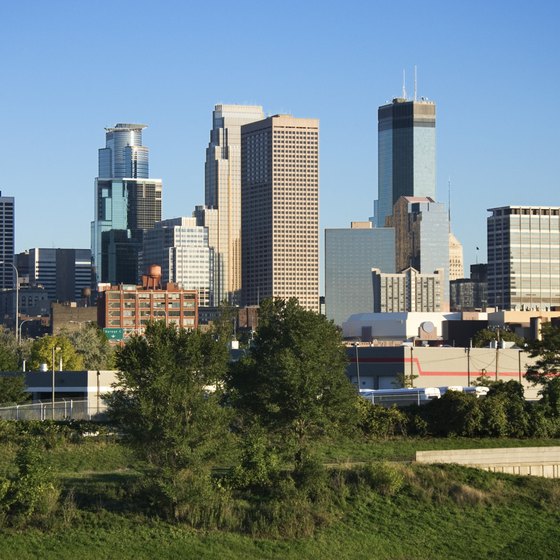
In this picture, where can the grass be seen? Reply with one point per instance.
(446, 512)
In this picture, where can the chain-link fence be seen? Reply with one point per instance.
(64, 409)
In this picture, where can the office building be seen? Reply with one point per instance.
(64, 273)
(407, 291)
(125, 310)
(456, 268)
(406, 153)
(280, 210)
(8, 276)
(127, 203)
(181, 248)
(422, 238)
(350, 254)
(524, 258)
(223, 192)
(470, 294)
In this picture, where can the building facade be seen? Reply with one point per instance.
(408, 291)
(8, 277)
(406, 153)
(181, 248)
(422, 238)
(456, 267)
(127, 201)
(524, 258)
(223, 193)
(350, 254)
(280, 210)
(470, 294)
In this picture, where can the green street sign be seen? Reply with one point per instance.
(114, 334)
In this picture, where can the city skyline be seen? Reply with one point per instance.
(478, 62)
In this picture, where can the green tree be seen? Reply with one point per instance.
(42, 353)
(91, 343)
(163, 400)
(293, 381)
(485, 336)
(13, 389)
(8, 351)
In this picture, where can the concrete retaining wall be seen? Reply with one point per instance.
(535, 461)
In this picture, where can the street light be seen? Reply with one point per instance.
(27, 321)
(357, 366)
(54, 349)
(17, 295)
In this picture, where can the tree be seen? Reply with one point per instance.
(91, 343)
(13, 389)
(8, 351)
(293, 381)
(163, 401)
(547, 352)
(42, 353)
(485, 336)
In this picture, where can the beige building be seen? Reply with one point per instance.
(407, 291)
(456, 268)
(223, 195)
(280, 210)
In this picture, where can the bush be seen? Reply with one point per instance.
(455, 413)
(379, 422)
(384, 478)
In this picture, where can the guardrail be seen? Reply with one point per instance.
(64, 409)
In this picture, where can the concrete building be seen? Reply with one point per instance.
(64, 273)
(407, 291)
(381, 367)
(350, 254)
(182, 250)
(8, 277)
(223, 193)
(280, 210)
(456, 267)
(126, 201)
(70, 317)
(406, 153)
(470, 294)
(524, 258)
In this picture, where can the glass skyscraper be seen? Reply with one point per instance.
(127, 203)
(406, 153)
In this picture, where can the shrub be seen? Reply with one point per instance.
(379, 422)
(384, 478)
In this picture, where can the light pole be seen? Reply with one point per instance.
(26, 321)
(54, 349)
(357, 366)
(17, 295)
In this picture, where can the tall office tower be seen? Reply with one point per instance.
(181, 248)
(350, 254)
(280, 210)
(223, 191)
(524, 258)
(422, 238)
(127, 203)
(64, 273)
(7, 242)
(406, 153)
(124, 155)
(456, 268)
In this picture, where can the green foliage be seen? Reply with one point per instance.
(8, 351)
(91, 343)
(547, 352)
(485, 336)
(455, 413)
(162, 402)
(42, 353)
(293, 379)
(379, 422)
(385, 478)
(13, 389)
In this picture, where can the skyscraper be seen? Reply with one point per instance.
(181, 248)
(127, 203)
(7, 242)
(280, 210)
(524, 258)
(223, 192)
(406, 153)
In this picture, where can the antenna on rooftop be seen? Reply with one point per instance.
(449, 202)
(404, 83)
(415, 83)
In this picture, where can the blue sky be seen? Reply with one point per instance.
(71, 68)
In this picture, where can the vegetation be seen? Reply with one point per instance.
(91, 343)
(484, 337)
(13, 389)
(42, 353)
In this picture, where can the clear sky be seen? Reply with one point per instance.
(71, 68)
